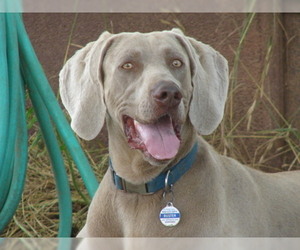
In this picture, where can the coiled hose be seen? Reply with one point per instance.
(20, 70)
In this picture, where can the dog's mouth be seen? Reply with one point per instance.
(159, 140)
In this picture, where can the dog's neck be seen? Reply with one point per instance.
(131, 165)
(165, 180)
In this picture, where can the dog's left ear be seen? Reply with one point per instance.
(210, 85)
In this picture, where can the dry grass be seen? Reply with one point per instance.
(282, 142)
(37, 215)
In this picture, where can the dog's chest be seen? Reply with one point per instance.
(140, 217)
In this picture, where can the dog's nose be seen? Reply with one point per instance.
(166, 94)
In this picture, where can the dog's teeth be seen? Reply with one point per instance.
(135, 123)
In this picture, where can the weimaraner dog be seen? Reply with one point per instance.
(158, 93)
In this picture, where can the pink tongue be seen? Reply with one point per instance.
(159, 138)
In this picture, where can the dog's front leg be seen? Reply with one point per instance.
(102, 219)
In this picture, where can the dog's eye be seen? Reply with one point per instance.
(177, 63)
(127, 66)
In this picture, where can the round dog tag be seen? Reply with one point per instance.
(169, 215)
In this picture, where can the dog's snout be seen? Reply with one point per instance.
(166, 94)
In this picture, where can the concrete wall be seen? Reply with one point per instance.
(268, 68)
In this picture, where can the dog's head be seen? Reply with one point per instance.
(149, 85)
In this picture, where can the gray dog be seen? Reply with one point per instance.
(158, 92)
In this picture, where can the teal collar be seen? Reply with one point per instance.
(167, 178)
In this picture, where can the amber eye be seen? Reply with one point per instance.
(127, 66)
(177, 63)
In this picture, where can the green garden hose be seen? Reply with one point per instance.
(20, 69)
(15, 157)
(5, 175)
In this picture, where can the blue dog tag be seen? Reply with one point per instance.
(169, 215)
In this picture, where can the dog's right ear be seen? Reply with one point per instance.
(81, 88)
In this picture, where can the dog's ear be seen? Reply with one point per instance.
(81, 88)
(210, 85)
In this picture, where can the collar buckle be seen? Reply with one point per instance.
(127, 186)
(131, 188)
